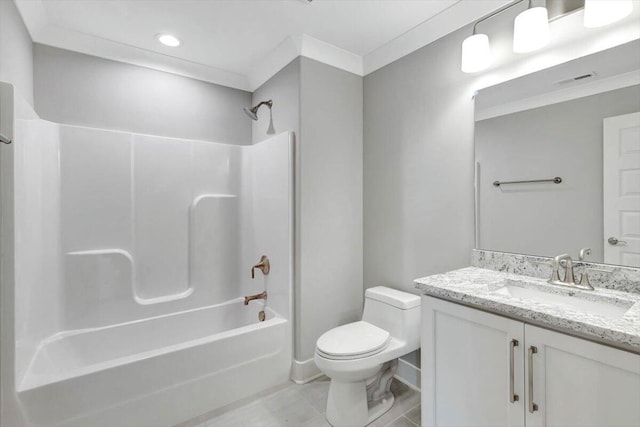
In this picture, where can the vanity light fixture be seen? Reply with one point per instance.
(598, 13)
(531, 32)
(168, 40)
(531, 29)
(476, 53)
(476, 49)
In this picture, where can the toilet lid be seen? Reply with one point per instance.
(354, 339)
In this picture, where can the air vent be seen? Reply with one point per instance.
(577, 78)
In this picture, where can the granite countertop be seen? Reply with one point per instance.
(613, 319)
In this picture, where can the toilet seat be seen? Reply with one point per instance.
(353, 341)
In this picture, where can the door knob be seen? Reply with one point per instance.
(613, 241)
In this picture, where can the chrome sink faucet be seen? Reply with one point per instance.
(583, 253)
(568, 272)
(566, 262)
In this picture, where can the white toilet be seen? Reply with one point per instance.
(361, 357)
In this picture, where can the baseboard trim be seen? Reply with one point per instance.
(304, 371)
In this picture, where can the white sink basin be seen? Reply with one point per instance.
(574, 300)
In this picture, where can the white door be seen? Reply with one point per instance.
(578, 383)
(621, 166)
(469, 361)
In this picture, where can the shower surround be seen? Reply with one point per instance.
(132, 255)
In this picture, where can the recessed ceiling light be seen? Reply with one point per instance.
(168, 40)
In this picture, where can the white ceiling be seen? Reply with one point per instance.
(236, 34)
(226, 41)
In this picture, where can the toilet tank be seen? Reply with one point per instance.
(394, 311)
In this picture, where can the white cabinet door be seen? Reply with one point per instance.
(580, 383)
(466, 367)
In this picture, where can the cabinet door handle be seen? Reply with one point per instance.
(532, 406)
(512, 396)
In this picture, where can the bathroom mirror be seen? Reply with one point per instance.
(573, 132)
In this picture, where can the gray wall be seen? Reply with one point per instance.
(16, 51)
(418, 166)
(78, 89)
(561, 139)
(330, 252)
(323, 106)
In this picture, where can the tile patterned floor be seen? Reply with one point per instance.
(304, 406)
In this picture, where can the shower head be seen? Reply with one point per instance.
(253, 111)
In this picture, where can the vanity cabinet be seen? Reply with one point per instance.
(478, 369)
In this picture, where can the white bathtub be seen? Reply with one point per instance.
(156, 371)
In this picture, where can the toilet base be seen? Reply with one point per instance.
(380, 408)
(358, 403)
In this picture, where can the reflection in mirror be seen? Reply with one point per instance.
(579, 121)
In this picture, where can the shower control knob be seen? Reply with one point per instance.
(613, 241)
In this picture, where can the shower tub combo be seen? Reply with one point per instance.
(157, 371)
(132, 257)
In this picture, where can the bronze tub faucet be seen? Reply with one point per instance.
(263, 266)
(262, 295)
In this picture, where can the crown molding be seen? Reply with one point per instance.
(309, 47)
(34, 16)
(331, 55)
(288, 50)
